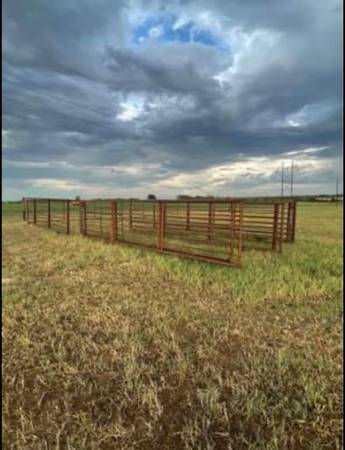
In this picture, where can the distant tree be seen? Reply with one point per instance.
(77, 197)
(184, 197)
(151, 197)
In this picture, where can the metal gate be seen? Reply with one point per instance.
(209, 230)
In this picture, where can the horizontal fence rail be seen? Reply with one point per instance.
(263, 226)
(210, 230)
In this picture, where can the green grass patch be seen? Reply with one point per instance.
(109, 347)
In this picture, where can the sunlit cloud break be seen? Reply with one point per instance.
(170, 98)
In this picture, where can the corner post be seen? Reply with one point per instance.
(275, 226)
(161, 225)
(154, 214)
(239, 232)
(82, 217)
(281, 229)
(294, 210)
(130, 215)
(188, 216)
(24, 207)
(49, 214)
(68, 217)
(113, 237)
(209, 230)
(35, 212)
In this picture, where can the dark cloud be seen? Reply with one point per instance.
(77, 91)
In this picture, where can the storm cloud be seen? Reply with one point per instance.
(175, 97)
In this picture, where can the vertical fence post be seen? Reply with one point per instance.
(287, 236)
(49, 214)
(35, 213)
(82, 217)
(188, 216)
(209, 230)
(161, 225)
(239, 233)
(113, 236)
(100, 220)
(154, 214)
(67, 217)
(275, 226)
(232, 230)
(130, 215)
(122, 220)
(294, 210)
(281, 229)
(24, 206)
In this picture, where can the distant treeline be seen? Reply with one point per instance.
(299, 198)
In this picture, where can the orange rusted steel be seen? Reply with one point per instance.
(67, 216)
(161, 225)
(27, 210)
(154, 214)
(275, 227)
(49, 214)
(239, 234)
(232, 217)
(23, 209)
(113, 221)
(35, 213)
(294, 211)
(211, 230)
(281, 226)
(130, 214)
(82, 217)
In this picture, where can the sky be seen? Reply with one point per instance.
(115, 98)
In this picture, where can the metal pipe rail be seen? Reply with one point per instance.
(208, 230)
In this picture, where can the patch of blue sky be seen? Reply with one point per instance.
(160, 28)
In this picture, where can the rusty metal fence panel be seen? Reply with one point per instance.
(290, 221)
(210, 230)
(50, 213)
(138, 222)
(264, 225)
(60, 218)
(29, 210)
(169, 227)
(96, 219)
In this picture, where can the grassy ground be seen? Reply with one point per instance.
(12, 211)
(107, 347)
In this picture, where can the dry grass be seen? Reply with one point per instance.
(111, 348)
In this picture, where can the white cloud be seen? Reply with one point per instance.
(253, 51)
(37, 164)
(212, 179)
(134, 170)
(129, 112)
(70, 186)
(305, 151)
(155, 32)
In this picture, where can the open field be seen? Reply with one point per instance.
(108, 347)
